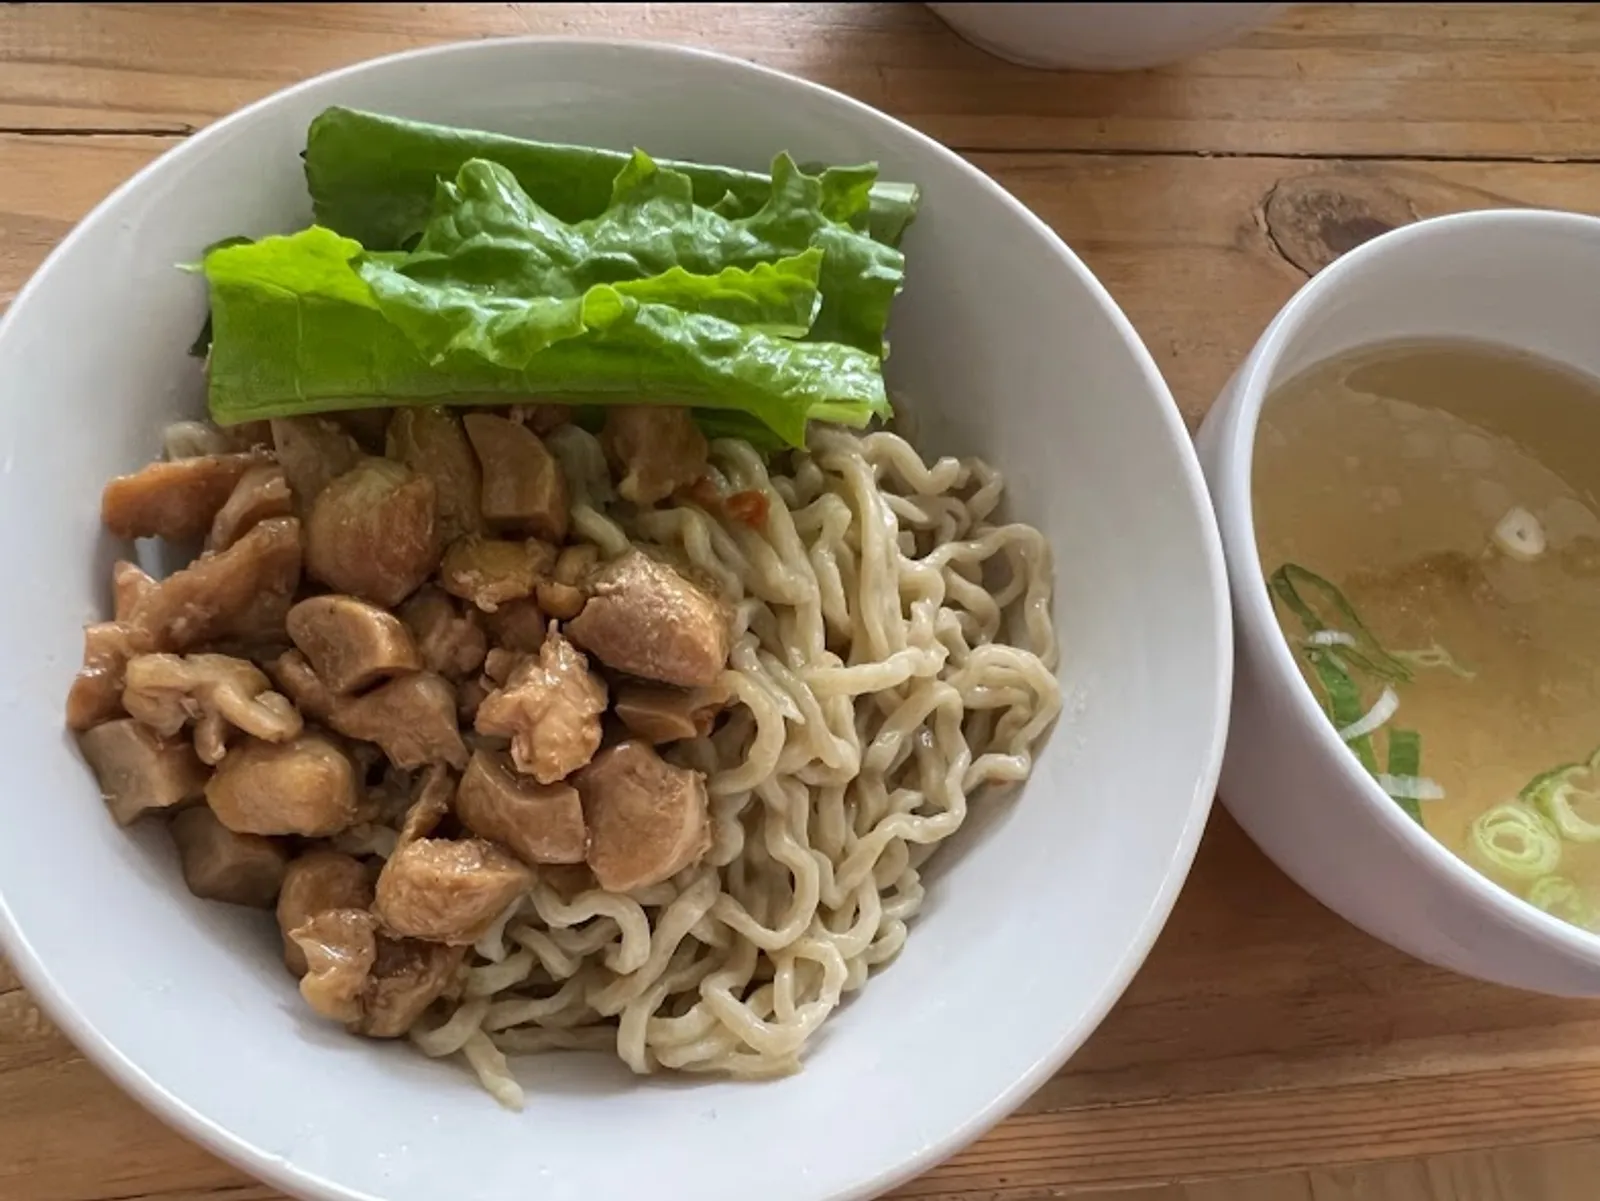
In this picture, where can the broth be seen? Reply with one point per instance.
(1417, 482)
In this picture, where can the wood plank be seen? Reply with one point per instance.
(1467, 80)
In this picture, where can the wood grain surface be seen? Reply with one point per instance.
(1267, 1048)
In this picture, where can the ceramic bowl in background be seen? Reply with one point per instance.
(1522, 280)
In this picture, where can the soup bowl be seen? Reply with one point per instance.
(1035, 919)
(1520, 280)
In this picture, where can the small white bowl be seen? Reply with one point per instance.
(1035, 921)
(1524, 280)
(1102, 37)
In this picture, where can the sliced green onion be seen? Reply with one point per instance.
(1405, 762)
(1331, 638)
(1343, 702)
(1560, 897)
(1434, 655)
(1558, 793)
(1516, 840)
(1382, 710)
(1520, 535)
(1292, 584)
(1410, 787)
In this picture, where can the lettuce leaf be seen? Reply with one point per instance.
(372, 178)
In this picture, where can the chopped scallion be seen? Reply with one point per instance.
(1515, 840)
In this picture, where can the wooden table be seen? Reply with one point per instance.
(1264, 1035)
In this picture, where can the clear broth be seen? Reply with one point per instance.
(1386, 473)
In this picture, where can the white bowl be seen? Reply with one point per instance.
(1521, 279)
(1035, 921)
(1102, 37)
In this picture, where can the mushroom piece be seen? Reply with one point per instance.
(550, 708)
(96, 692)
(524, 489)
(448, 891)
(339, 947)
(469, 696)
(412, 717)
(489, 571)
(315, 883)
(648, 819)
(138, 770)
(242, 592)
(563, 597)
(294, 677)
(647, 620)
(407, 976)
(540, 823)
(313, 452)
(450, 642)
(350, 644)
(261, 492)
(429, 808)
(656, 449)
(306, 786)
(430, 442)
(372, 532)
(660, 713)
(177, 499)
(517, 626)
(130, 584)
(219, 865)
(216, 692)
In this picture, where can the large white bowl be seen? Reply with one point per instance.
(1036, 919)
(1519, 279)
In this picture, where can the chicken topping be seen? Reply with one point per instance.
(138, 770)
(489, 572)
(412, 717)
(350, 644)
(307, 786)
(524, 489)
(660, 713)
(261, 492)
(339, 947)
(176, 500)
(449, 892)
(648, 819)
(499, 663)
(315, 883)
(313, 452)
(541, 823)
(449, 642)
(518, 626)
(430, 442)
(130, 584)
(216, 692)
(96, 693)
(647, 620)
(656, 449)
(372, 532)
(563, 597)
(550, 708)
(219, 865)
(407, 977)
(242, 592)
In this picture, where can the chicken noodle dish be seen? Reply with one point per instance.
(569, 653)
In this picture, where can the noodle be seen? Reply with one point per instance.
(879, 684)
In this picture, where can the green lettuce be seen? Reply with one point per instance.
(372, 178)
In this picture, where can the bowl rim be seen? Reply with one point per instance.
(278, 1172)
(1254, 613)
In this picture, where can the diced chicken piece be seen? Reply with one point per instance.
(541, 823)
(294, 677)
(648, 819)
(130, 584)
(563, 597)
(524, 489)
(339, 947)
(372, 532)
(647, 620)
(407, 976)
(242, 592)
(350, 644)
(448, 891)
(550, 708)
(369, 427)
(490, 572)
(499, 663)
(660, 713)
(216, 692)
(517, 626)
(450, 642)
(192, 439)
(307, 786)
(139, 771)
(219, 865)
(412, 717)
(430, 441)
(176, 500)
(261, 492)
(654, 449)
(313, 452)
(432, 803)
(315, 883)
(96, 693)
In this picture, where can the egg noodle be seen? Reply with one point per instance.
(893, 654)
